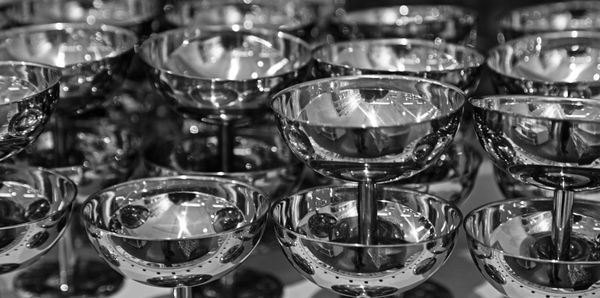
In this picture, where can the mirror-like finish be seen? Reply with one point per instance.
(549, 17)
(453, 24)
(218, 73)
(261, 159)
(551, 142)
(90, 57)
(35, 209)
(379, 128)
(508, 241)
(451, 64)
(293, 17)
(28, 96)
(135, 15)
(179, 231)
(553, 64)
(452, 177)
(317, 230)
(512, 188)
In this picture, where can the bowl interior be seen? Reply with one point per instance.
(398, 55)
(367, 102)
(565, 57)
(65, 45)
(222, 53)
(330, 215)
(150, 208)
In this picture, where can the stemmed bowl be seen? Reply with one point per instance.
(318, 230)
(176, 232)
(508, 241)
(549, 142)
(368, 129)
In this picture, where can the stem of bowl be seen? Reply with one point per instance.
(182, 292)
(66, 264)
(59, 139)
(561, 226)
(367, 211)
(226, 145)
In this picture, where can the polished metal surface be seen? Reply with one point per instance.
(512, 188)
(379, 128)
(453, 24)
(449, 63)
(176, 231)
(451, 177)
(35, 209)
(28, 95)
(217, 73)
(550, 142)
(549, 17)
(294, 17)
(317, 230)
(135, 15)
(509, 243)
(261, 159)
(553, 64)
(91, 57)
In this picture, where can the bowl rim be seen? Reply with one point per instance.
(526, 99)
(449, 233)
(56, 72)
(480, 59)
(570, 34)
(218, 29)
(129, 46)
(373, 78)
(261, 210)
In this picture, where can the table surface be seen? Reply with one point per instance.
(459, 274)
